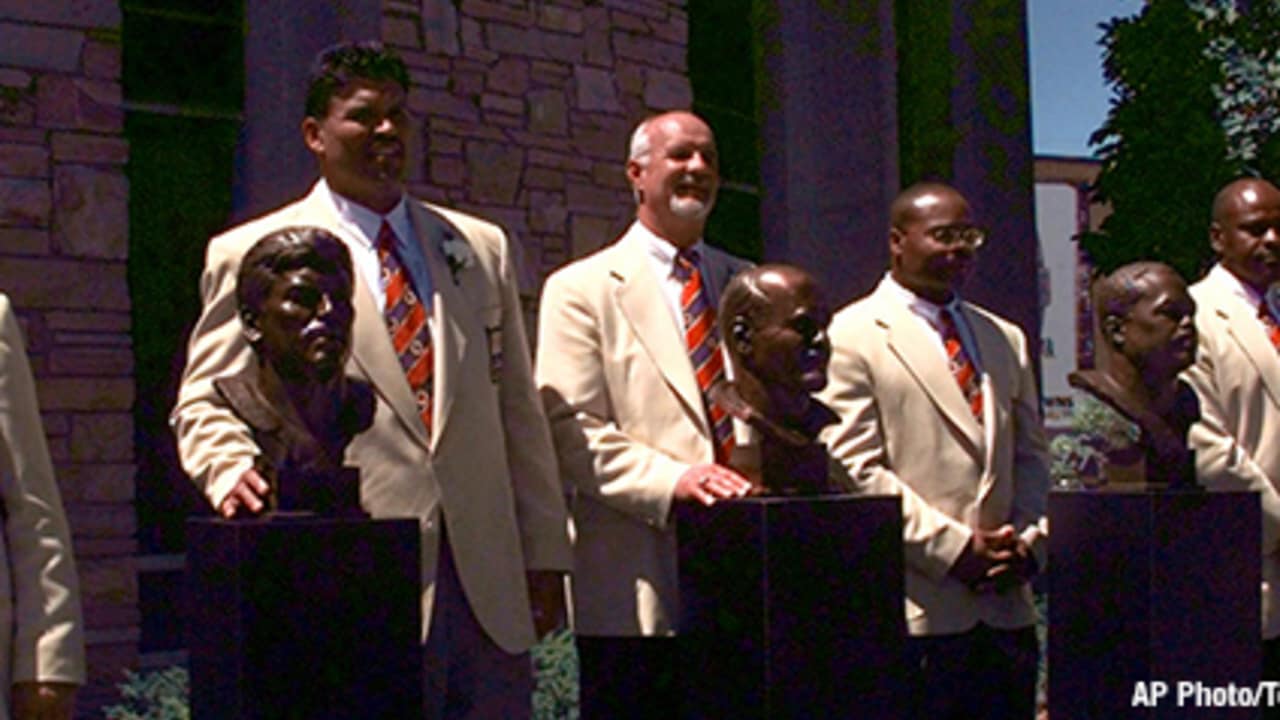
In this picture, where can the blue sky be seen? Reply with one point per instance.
(1068, 97)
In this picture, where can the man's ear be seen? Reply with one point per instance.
(1113, 330)
(311, 135)
(634, 171)
(740, 335)
(896, 237)
(1215, 237)
(249, 326)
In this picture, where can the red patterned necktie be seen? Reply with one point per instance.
(407, 323)
(1269, 323)
(962, 368)
(703, 342)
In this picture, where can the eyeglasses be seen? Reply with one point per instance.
(971, 236)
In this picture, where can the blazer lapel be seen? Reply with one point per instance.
(449, 339)
(641, 303)
(909, 342)
(1247, 332)
(996, 382)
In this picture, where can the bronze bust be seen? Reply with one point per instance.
(1146, 337)
(774, 319)
(294, 292)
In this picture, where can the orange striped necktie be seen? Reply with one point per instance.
(703, 342)
(1269, 323)
(406, 323)
(960, 365)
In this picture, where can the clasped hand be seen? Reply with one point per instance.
(997, 559)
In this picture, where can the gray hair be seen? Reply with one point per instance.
(641, 143)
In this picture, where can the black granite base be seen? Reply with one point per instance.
(792, 608)
(304, 618)
(1149, 587)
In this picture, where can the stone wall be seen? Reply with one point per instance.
(63, 244)
(527, 108)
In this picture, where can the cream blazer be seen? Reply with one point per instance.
(489, 469)
(906, 430)
(41, 627)
(628, 420)
(1237, 441)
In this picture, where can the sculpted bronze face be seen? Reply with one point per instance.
(784, 343)
(774, 322)
(1157, 333)
(298, 313)
(294, 291)
(1147, 337)
(305, 323)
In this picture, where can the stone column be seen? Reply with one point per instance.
(272, 164)
(829, 138)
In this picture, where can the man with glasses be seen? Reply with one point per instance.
(938, 404)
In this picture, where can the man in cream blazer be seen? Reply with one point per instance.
(630, 422)
(972, 473)
(41, 628)
(482, 482)
(1237, 373)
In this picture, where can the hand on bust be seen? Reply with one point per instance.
(43, 700)
(247, 494)
(708, 483)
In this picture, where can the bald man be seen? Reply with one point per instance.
(938, 403)
(1237, 371)
(625, 336)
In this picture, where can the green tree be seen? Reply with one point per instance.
(1163, 147)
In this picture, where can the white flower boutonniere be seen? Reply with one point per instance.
(458, 254)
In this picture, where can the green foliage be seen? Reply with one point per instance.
(165, 694)
(555, 670)
(1163, 150)
(156, 695)
(1247, 47)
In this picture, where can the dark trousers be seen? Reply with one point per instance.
(1270, 671)
(465, 675)
(628, 677)
(983, 673)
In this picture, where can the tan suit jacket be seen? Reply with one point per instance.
(1237, 441)
(905, 429)
(489, 467)
(628, 420)
(41, 628)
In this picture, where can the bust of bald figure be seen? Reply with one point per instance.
(294, 296)
(1146, 337)
(774, 319)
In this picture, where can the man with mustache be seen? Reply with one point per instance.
(458, 438)
(627, 351)
(938, 403)
(1237, 373)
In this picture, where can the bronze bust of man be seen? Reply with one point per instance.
(1143, 411)
(774, 319)
(294, 296)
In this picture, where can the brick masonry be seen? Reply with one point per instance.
(63, 244)
(525, 110)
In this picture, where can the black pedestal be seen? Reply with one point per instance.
(1147, 588)
(304, 618)
(792, 608)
